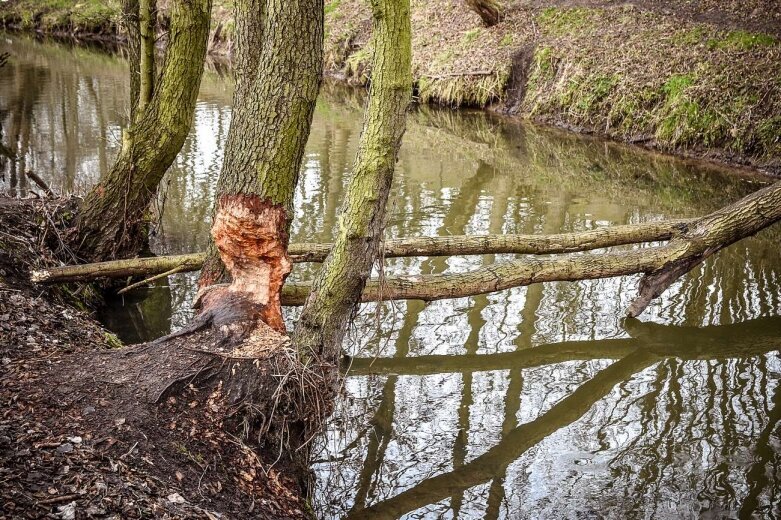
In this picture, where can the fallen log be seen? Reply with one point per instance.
(118, 268)
(692, 241)
(662, 265)
(405, 247)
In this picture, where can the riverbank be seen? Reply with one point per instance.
(69, 450)
(693, 79)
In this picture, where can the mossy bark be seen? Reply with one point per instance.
(401, 247)
(338, 286)
(147, 16)
(129, 22)
(112, 217)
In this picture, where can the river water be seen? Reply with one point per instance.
(537, 402)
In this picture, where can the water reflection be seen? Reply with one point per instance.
(536, 402)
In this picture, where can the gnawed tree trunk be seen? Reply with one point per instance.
(490, 11)
(238, 370)
(337, 288)
(112, 217)
(273, 107)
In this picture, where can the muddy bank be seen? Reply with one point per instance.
(694, 80)
(70, 450)
(698, 79)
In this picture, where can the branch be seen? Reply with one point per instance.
(662, 264)
(500, 276)
(406, 247)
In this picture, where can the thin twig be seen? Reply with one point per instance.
(130, 287)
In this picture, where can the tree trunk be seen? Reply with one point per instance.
(693, 242)
(490, 11)
(272, 112)
(112, 217)
(147, 18)
(663, 265)
(129, 23)
(337, 288)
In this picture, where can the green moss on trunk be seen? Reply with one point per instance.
(337, 288)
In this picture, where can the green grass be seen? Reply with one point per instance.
(52, 15)
(687, 37)
(742, 40)
(471, 35)
(676, 84)
(561, 21)
(112, 340)
(332, 7)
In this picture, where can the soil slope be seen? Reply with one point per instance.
(694, 78)
(72, 451)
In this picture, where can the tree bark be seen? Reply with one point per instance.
(272, 113)
(129, 23)
(712, 233)
(112, 217)
(147, 18)
(337, 288)
(402, 247)
(490, 11)
(693, 242)
(662, 265)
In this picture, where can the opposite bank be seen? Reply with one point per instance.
(702, 81)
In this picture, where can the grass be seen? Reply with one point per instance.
(471, 35)
(60, 15)
(331, 8)
(656, 79)
(560, 21)
(742, 40)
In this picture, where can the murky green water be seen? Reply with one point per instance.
(536, 402)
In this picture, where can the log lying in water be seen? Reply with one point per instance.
(405, 247)
(662, 265)
(691, 243)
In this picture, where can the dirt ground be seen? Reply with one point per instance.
(72, 451)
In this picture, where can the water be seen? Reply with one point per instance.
(537, 402)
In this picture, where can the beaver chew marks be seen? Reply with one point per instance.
(251, 235)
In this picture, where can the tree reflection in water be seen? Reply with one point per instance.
(663, 439)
